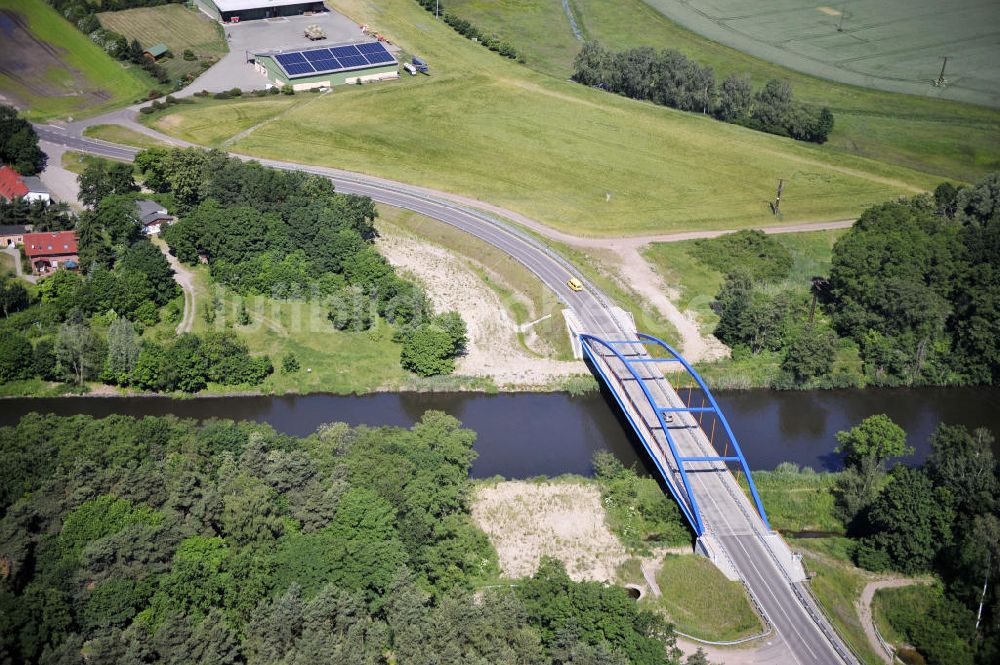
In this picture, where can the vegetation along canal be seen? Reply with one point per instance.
(554, 433)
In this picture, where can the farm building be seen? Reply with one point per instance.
(315, 67)
(156, 51)
(233, 11)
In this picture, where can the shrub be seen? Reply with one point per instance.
(189, 54)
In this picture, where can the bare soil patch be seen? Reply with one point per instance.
(494, 349)
(526, 521)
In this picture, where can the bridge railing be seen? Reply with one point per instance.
(689, 507)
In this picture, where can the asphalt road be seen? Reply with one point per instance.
(801, 638)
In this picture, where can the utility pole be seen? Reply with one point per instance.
(776, 206)
(437, 8)
(840, 23)
(982, 597)
(941, 80)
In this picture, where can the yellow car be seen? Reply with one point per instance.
(575, 284)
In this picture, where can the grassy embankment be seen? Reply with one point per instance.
(124, 136)
(78, 79)
(887, 603)
(698, 283)
(697, 598)
(572, 157)
(946, 138)
(176, 26)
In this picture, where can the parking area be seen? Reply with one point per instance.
(233, 71)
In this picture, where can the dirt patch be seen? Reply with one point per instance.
(564, 520)
(494, 349)
(37, 68)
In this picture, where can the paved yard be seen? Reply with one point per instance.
(233, 70)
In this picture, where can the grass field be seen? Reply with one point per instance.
(722, 612)
(124, 136)
(945, 138)
(176, 26)
(50, 69)
(572, 157)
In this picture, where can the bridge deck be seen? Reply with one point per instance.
(734, 535)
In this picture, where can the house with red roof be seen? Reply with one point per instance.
(50, 251)
(13, 186)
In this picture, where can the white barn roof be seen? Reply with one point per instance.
(240, 5)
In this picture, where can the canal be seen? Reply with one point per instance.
(529, 434)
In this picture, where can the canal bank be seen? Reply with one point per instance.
(522, 435)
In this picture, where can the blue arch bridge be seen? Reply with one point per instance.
(696, 453)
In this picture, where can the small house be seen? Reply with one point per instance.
(15, 186)
(152, 216)
(156, 52)
(12, 235)
(50, 251)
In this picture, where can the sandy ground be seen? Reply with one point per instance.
(493, 349)
(565, 520)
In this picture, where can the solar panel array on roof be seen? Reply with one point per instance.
(334, 59)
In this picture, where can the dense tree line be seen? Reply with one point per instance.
(941, 518)
(669, 78)
(916, 284)
(19, 143)
(914, 287)
(470, 31)
(761, 312)
(131, 540)
(288, 234)
(39, 214)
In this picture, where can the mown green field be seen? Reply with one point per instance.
(174, 25)
(77, 79)
(950, 139)
(575, 158)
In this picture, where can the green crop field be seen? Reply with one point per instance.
(50, 69)
(946, 138)
(176, 26)
(573, 157)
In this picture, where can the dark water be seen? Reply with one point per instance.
(524, 435)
